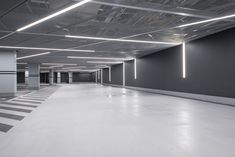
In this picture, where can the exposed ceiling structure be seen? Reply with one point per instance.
(132, 21)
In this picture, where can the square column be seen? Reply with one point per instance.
(8, 81)
(58, 77)
(70, 77)
(51, 76)
(34, 76)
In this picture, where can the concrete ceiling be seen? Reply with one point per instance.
(152, 20)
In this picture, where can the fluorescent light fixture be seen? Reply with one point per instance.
(53, 15)
(58, 64)
(101, 58)
(124, 74)
(110, 70)
(100, 62)
(46, 49)
(74, 67)
(206, 21)
(31, 56)
(122, 40)
(135, 68)
(184, 59)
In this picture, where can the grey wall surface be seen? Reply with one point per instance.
(210, 67)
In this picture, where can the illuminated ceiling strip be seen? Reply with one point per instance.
(97, 62)
(58, 64)
(102, 58)
(206, 21)
(46, 49)
(30, 56)
(122, 40)
(53, 15)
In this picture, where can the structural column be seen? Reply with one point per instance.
(8, 80)
(34, 76)
(51, 76)
(70, 77)
(58, 77)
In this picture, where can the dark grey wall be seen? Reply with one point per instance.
(210, 67)
(44, 77)
(106, 75)
(20, 77)
(64, 76)
(117, 74)
(83, 77)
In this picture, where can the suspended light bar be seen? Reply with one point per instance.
(53, 15)
(99, 62)
(101, 58)
(46, 49)
(184, 60)
(58, 64)
(135, 68)
(30, 56)
(206, 21)
(122, 40)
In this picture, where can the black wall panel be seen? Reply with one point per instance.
(20, 77)
(55, 77)
(82, 77)
(44, 77)
(64, 77)
(210, 67)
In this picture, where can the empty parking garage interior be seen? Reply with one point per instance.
(117, 78)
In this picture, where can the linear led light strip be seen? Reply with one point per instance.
(58, 64)
(96, 62)
(101, 58)
(46, 49)
(122, 40)
(206, 21)
(184, 60)
(30, 56)
(135, 68)
(53, 15)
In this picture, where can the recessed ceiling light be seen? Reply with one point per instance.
(53, 15)
(123, 40)
(46, 49)
(30, 56)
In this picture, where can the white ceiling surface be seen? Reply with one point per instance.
(152, 20)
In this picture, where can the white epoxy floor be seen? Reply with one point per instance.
(95, 121)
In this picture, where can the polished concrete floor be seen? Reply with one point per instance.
(97, 121)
